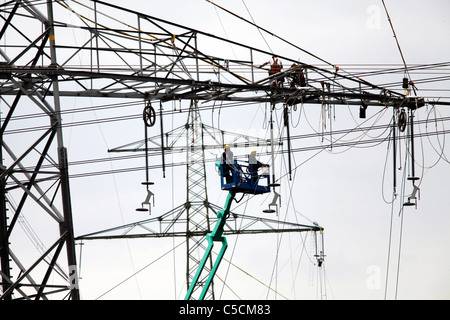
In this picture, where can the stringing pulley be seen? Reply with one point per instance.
(402, 120)
(149, 115)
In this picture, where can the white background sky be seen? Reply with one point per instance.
(341, 189)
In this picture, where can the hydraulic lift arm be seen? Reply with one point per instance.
(215, 236)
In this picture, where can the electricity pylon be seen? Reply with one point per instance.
(124, 54)
(193, 218)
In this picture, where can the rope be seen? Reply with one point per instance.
(140, 270)
(232, 254)
(259, 30)
(398, 44)
(272, 34)
(254, 278)
(389, 249)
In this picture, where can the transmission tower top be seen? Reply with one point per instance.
(129, 54)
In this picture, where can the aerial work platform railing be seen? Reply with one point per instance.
(242, 176)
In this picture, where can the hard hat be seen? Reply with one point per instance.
(253, 151)
(226, 146)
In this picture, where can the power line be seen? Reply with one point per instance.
(395, 36)
(322, 147)
(271, 33)
(331, 144)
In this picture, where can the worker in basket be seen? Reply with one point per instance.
(227, 160)
(253, 167)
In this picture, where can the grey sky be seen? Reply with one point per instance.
(345, 190)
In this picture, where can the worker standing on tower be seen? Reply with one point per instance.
(297, 76)
(275, 67)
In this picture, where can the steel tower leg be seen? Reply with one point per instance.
(216, 235)
(4, 241)
(21, 171)
(66, 226)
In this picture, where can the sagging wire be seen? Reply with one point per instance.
(377, 117)
(272, 34)
(259, 30)
(294, 108)
(318, 255)
(391, 235)
(408, 159)
(234, 248)
(441, 153)
(392, 140)
(140, 270)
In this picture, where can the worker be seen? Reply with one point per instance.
(227, 160)
(275, 67)
(297, 77)
(253, 166)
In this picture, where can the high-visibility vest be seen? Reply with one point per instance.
(275, 67)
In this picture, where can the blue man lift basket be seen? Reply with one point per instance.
(237, 176)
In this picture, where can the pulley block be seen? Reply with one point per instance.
(402, 120)
(149, 115)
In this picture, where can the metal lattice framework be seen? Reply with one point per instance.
(144, 57)
(193, 219)
(129, 55)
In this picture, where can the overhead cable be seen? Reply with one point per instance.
(398, 44)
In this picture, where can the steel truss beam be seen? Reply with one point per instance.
(161, 60)
(173, 224)
(163, 226)
(188, 89)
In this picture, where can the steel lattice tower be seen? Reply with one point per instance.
(154, 60)
(196, 178)
(193, 219)
(197, 203)
(21, 169)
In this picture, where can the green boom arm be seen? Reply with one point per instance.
(215, 235)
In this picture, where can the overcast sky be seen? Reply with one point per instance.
(346, 190)
(342, 189)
